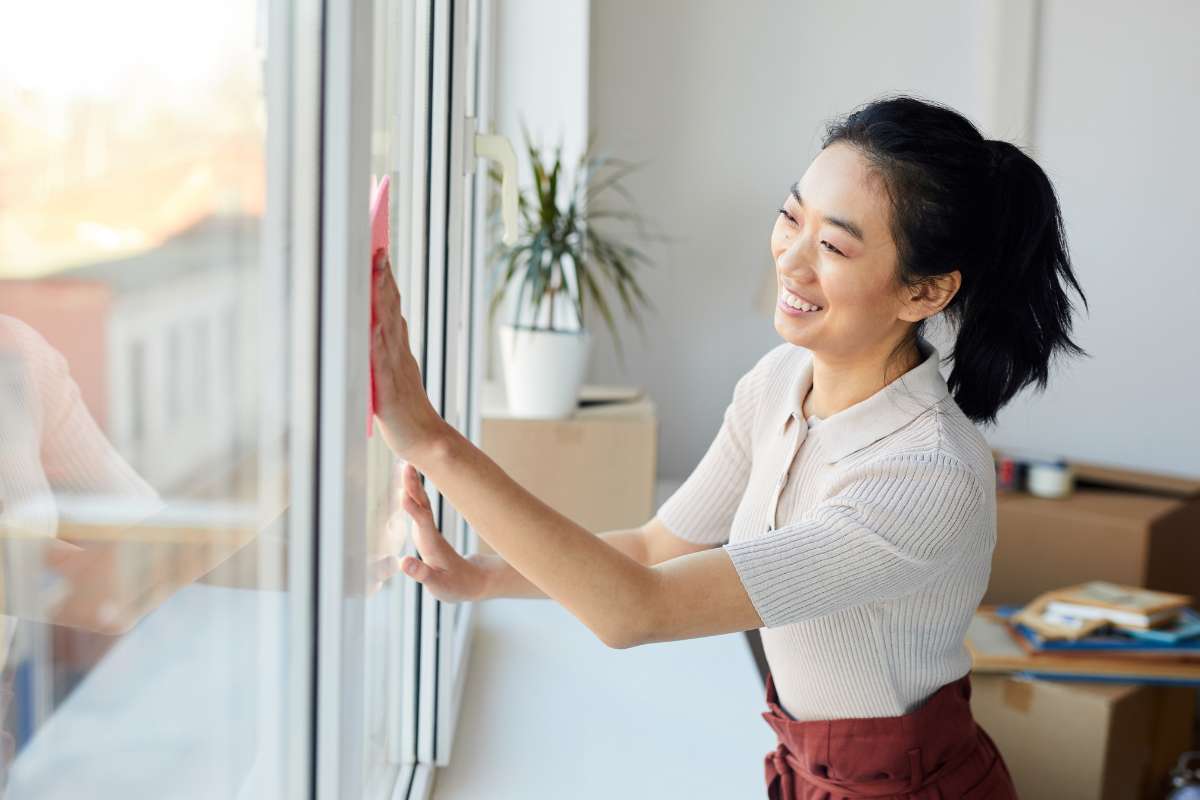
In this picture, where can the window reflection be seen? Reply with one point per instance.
(142, 529)
(144, 485)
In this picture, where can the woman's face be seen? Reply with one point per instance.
(832, 247)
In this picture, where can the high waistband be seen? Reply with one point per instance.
(873, 756)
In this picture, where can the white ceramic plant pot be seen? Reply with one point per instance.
(543, 370)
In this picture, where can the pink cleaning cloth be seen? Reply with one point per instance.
(379, 241)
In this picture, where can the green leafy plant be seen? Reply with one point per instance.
(560, 248)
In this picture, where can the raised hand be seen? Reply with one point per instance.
(449, 576)
(408, 421)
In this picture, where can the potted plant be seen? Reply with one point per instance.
(560, 251)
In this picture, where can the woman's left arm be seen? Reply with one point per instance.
(622, 601)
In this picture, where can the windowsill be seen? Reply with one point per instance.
(550, 711)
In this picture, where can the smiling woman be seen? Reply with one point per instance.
(861, 546)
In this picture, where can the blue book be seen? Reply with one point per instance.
(1181, 637)
(1063, 676)
(1187, 626)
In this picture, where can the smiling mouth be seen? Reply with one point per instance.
(793, 302)
(797, 312)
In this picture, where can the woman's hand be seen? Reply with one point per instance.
(408, 422)
(450, 577)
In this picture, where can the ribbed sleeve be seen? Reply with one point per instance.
(72, 454)
(887, 527)
(76, 456)
(702, 509)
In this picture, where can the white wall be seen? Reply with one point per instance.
(1118, 107)
(727, 100)
(539, 76)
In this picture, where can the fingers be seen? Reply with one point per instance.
(386, 299)
(431, 567)
(446, 584)
(380, 360)
(411, 481)
(386, 294)
(380, 308)
(421, 514)
(426, 573)
(389, 332)
(431, 545)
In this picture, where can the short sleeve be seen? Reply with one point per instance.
(701, 510)
(887, 528)
(75, 455)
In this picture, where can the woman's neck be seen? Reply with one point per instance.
(837, 385)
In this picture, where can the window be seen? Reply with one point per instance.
(187, 608)
(152, 646)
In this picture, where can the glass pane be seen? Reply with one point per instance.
(144, 384)
(387, 524)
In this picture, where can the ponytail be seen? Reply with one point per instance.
(985, 208)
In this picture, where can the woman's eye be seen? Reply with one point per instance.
(793, 221)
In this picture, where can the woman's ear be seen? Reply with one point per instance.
(931, 296)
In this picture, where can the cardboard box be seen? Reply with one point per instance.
(1085, 741)
(596, 467)
(1125, 526)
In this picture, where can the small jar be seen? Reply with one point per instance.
(1050, 479)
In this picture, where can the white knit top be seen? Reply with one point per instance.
(864, 541)
(52, 447)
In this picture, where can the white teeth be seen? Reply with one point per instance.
(796, 302)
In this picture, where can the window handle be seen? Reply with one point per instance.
(495, 147)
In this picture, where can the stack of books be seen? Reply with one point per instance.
(1081, 610)
(1092, 631)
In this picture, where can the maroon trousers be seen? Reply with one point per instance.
(936, 752)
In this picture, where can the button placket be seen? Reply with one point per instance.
(783, 479)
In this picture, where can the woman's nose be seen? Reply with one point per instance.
(798, 257)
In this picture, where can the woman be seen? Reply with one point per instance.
(49, 446)
(851, 493)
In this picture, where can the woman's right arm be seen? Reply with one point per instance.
(453, 578)
(701, 509)
(650, 544)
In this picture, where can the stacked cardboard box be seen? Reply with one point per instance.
(1084, 741)
(596, 467)
(1125, 526)
(1071, 739)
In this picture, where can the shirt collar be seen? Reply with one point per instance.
(869, 420)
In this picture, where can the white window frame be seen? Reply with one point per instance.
(443, 304)
(342, 372)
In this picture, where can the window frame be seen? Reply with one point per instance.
(442, 301)
(291, 263)
(340, 517)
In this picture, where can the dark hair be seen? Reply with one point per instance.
(985, 208)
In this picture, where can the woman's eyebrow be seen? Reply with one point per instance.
(845, 224)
